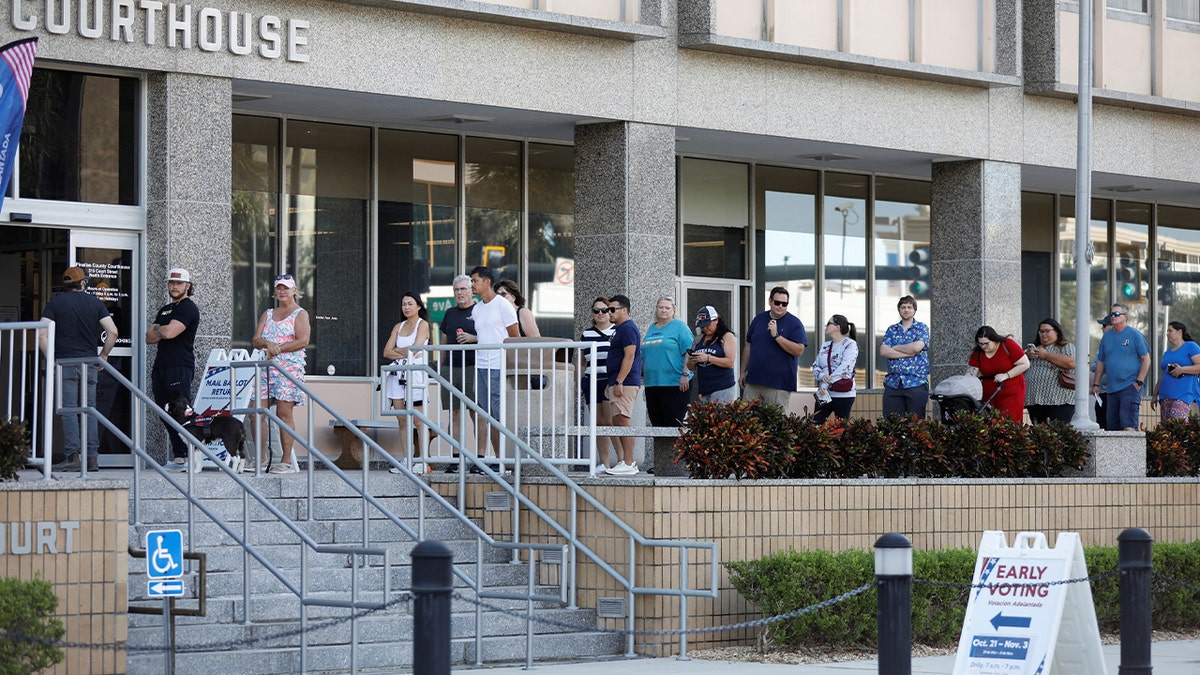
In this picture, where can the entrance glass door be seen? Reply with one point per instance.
(113, 261)
(729, 299)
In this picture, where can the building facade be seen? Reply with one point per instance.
(853, 151)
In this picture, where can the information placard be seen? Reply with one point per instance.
(1022, 617)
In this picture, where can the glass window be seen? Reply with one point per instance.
(1131, 255)
(327, 171)
(1184, 10)
(255, 220)
(1128, 5)
(1177, 243)
(786, 245)
(845, 253)
(1038, 235)
(493, 208)
(715, 212)
(79, 142)
(551, 292)
(1100, 303)
(417, 219)
(901, 258)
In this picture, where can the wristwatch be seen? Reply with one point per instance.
(1139, 383)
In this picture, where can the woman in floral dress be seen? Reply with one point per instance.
(283, 334)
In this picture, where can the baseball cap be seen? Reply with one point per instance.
(74, 275)
(179, 274)
(706, 316)
(285, 280)
(1106, 321)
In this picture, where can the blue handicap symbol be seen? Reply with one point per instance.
(164, 554)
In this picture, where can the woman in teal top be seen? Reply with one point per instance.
(666, 377)
(1177, 387)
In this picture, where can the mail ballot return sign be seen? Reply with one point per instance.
(1027, 612)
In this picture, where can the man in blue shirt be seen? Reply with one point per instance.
(1125, 357)
(624, 378)
(906, 347)
(774, 343)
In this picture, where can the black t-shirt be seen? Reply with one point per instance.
(77, 316)
(178, 351)
(456, 319)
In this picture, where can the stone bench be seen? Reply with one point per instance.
(352, 445)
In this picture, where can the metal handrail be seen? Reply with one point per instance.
(41, 426)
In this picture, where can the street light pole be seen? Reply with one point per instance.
(1083, 221)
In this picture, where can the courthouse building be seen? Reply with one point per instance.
(853, 151)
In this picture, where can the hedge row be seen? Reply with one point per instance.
(789, 580)
(752, 439)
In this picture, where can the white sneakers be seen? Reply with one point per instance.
(622, 469)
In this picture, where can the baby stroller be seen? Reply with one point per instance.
(960, 393)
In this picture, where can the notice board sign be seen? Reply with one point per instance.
(1021, 618)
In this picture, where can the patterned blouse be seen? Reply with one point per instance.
(1041, 380)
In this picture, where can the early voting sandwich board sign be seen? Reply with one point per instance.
(1019, 620)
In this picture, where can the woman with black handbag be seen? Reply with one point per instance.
(833, 369)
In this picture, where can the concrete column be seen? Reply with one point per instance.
(975, 280)
(624, 216)
(188, 192)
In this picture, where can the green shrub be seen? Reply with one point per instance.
(26, 609)
(743, 439)
(789, 580)
(14, 447)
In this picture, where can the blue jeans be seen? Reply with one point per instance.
(71, 379)
(1123, 408)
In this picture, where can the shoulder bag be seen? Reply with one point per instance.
(843, 385)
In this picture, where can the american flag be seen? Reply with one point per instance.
(19, 57)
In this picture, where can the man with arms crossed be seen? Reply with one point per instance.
(495, 320)
(458, 327)
(79, 318)
(906, 346)
(174, 331)
(774, 343)
(624, 379)
(1125, 357)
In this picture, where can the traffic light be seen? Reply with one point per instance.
(1166, 294)
(1129, 277)
(920, 259)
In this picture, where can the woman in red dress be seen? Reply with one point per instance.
(1000, 363)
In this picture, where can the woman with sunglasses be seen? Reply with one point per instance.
(283, 333)
(600, 332)
(1048, 356)
(1000, 363)
(1177, 387)
(835, 363)
(526, 325)
(403, 385)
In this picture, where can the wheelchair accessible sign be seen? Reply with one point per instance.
(164, 563)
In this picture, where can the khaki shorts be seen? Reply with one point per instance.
(623, 404)
(768, 395)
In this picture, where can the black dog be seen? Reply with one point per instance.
(220, 426)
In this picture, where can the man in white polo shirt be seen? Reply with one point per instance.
(495, 320)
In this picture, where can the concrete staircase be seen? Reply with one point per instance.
(223, 641)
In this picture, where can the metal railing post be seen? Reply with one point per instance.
(893, 576)
(432, 583)
(1134, 562)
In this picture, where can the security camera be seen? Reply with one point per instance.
(844, 208)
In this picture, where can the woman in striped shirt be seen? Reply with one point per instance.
(601, 331)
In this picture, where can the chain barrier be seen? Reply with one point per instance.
(405, 597)
(1013, 584)
(692, 631)
(1177, 582)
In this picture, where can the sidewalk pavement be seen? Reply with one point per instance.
(1168, 658)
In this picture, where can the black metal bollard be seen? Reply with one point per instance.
(432, 584)
(1133, 561)
(893, 572)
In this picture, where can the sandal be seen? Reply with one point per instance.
(284, 468)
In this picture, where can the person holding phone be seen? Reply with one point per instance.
(770, 359)
(1044, 398)
(1178, 386)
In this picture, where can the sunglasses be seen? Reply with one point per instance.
(503, 293)
(462, 290)
(779, 303)
(281, 277)
(613, 310)
(600, 310)
(1115, 314)
(982, 345)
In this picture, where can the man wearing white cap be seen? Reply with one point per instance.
(174, 331)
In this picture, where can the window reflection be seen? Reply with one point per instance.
(715, 214)
(844, 226)
(1177, 294)
(1131, 252)
(79, 141)
(1099, 279)
(493, 209)
(551, 292)
(327, 169)
(786, 204)
(901, 258)
(254, 220)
